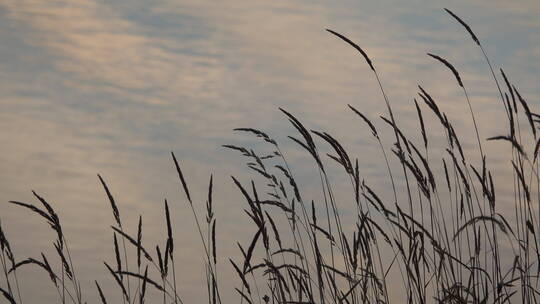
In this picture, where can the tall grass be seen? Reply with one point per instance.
(442, 237)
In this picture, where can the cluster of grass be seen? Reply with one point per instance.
(443, 239)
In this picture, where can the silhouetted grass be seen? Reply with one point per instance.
(440, 240)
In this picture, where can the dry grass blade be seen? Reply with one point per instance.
(465, 25)
(170, 240)
(139, 241)
(480, 218)
(489, 193)
(274, 228)
(241, 275)
(289, 250)
(398, 132)
(343, 159)
(278, 204)
(4, 243)
(36, 210)
(49, 209)
(65, 263)
(512, 140)
(243, 150)
(214, 251)
(521, 178)
(117, 279)
(536, 149)
(143, 289)
(324, 232)
(527, 110)
(421, 120)
(341, 273)
(258, 133)
(254, 267)
(354, 45)
(134, 242)
(209, 206)
(181, 176)
(160, 261)
(447, 176)
(28, 261)
(166, 258)
(101, 295)
(8, 296)
(309, 145)
(244, 296)
(344, 297)
(509, 87)
(143, 278)
(117, 253)
(49, 270)
(450, 66)
(366, 120)
(425, 163)
(114, 207)
(249, 254)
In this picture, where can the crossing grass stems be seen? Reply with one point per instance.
(445, 231)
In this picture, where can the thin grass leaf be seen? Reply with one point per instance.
(101, 295)
(36, 210)
(480, 218)
(181, 176)
(366, 120)
(527, 110)
(8, 296)
(117, 279)
(117, 253)
(170, 240)
(450, 66)
(241, 275)
(354, 45)
(114, 207)
(145, 279)
(133, 242)
(143, 289)
(465, 25)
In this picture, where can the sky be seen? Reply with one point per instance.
(112, 87)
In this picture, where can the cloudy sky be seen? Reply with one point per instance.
(111, 87)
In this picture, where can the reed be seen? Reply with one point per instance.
(438, 238)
